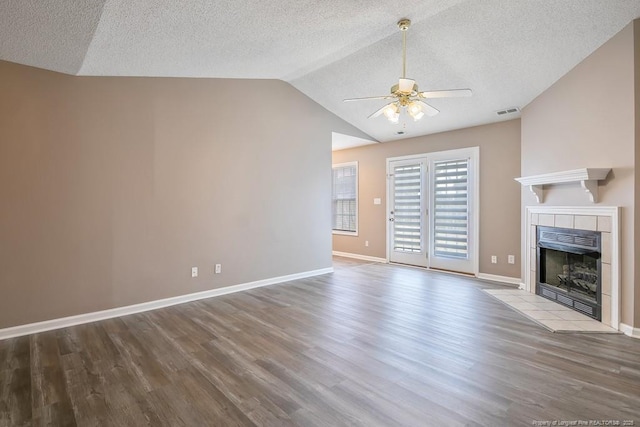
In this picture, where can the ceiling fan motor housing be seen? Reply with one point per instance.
(405, 87)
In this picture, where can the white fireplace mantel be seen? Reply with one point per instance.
(587, 177)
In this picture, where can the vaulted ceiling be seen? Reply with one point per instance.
(506, 51)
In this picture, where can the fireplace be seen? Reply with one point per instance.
(569, 268)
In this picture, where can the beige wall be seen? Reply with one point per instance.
(499, 194)
(587, 119)
(113, 188)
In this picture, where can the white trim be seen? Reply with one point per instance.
(575, 210)
(64, 322)
(502, 279)
(611, 211)
(630, 330)
(584, 174)
(358, 256)
(407, 157)
(346, 233)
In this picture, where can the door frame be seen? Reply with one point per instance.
(473, 153)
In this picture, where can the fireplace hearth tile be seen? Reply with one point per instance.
(587, 325)
(570, 315)
(547, 305)
(540, 315)
(562, 326)
(522, 305)
(496, 292)
(530, 298)
(548, 314)
(509, 298)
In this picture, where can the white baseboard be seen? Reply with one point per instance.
(630, 330)
(358, 256)
(516, 281)
(64, 322)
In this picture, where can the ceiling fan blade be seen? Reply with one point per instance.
(428, 109)
(450, 93)
(368, 98)
(378, 112)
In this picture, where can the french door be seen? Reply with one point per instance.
(407, 211)
(432, 210)
(451, 222)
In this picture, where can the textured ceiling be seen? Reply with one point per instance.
(506, 51)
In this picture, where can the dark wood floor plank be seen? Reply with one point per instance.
(51, 403)
(15, 382)
(369, 345)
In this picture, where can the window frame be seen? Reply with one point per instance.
(357, 201)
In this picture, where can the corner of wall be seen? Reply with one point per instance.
(636, 192)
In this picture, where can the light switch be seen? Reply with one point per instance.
(377, 201)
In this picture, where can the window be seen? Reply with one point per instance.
(407, 207)
(451, 227)
(344, 198)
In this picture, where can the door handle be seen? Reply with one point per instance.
(391, 219)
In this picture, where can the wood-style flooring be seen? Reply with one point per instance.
(369, 345)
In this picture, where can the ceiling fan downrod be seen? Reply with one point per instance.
(404, 25)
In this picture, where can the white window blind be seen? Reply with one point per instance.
(345, 198)
(407, 183)
(451, 203)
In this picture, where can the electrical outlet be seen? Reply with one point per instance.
(494, 259)
(366, 243)
(194, 271)
(511, 259)
(218, 268)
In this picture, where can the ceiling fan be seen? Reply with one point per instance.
(405, 94)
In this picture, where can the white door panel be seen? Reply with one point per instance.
(407, 207)
(450, 222)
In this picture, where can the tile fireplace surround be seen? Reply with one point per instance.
(604, 219)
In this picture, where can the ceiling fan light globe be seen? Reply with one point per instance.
(390, 111)
(415, 111)
(417, 116)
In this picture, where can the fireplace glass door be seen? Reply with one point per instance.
(575, 274)
(569, 268)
